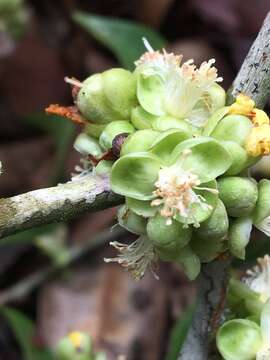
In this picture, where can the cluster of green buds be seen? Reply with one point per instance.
(246, 335)
(77, 346)
(13, 16)
(179, 156)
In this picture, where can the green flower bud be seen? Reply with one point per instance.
(239, 195)
(168, 238)
(92, 102)
(75, 346)
(94, 130)
(131, 221)
(104, 167)
(87, 145)
(112, 130)
(261, 215)
(141, 119)
(239, 236)
(207, 249)
(139, 141)
(120, 91)
(190, 262)
(216, 226)
(239, 157)
(239, 339)
(233, 128)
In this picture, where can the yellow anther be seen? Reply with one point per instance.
(76, 338)
(258, 141)
(259, 117)
(243, 105)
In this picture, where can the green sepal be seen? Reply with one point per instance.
(214, 120)
(216, 226)
(139, 141)
(112, 130)
(190, 262)
(142, 208)
(233, 128)
(87, 145)
(150, 93)
(166, 142)
(141, 119)
(165, 237)
(130, 221)
(239, 339)
(134, 175)
(239, 235)
(239, 195)
(208, 158)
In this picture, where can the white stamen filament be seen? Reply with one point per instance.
(175, 193)
(136, 257)
(73, 82)
(147, 45)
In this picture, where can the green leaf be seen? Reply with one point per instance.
(24, 332)
(239, 339)
(122, 37)
(179, 333)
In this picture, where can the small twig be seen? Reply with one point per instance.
(28, 284)
(83, 194)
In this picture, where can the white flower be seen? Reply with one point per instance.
(175, 193)
(258, 278)
(183, 89)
